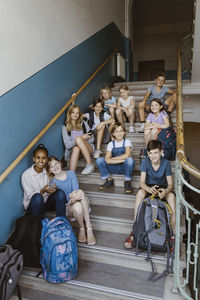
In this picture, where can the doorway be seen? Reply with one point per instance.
(148, 70)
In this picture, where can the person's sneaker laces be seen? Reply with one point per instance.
(97, 153)
(88, 169)
(142, 127)
(131, 129)
(128, 187)
(107, 185)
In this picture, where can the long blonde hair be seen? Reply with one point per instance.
(68, 120)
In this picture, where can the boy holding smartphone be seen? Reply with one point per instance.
(155, 178)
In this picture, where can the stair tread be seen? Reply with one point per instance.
(113, 279)
(113, 241)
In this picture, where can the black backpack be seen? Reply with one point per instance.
(167, 137)
(152, 231)
(26, 239)
(91, 116)
(11, 264)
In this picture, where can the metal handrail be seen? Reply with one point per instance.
(9, 169)
(180, 127)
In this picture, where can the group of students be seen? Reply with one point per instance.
(47, 186)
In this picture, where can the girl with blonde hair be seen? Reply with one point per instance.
(78, 139)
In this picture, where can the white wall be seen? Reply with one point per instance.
(36, 32)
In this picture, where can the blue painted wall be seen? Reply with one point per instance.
(26, 109)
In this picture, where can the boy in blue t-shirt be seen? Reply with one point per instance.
(156, 177)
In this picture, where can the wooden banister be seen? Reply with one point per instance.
(9, 169)
(180, 126)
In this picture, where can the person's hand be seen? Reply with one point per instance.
(153, 190)
(86, 136)
(100, 125)
(161, 193)
(50, 189)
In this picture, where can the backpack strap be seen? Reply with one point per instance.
(91, 118)
(84, 127)
(113, 142)
(101, 117)
(154, 206)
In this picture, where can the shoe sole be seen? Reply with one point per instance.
(106, 188)
(128, 192)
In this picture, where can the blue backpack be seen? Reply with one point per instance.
(58, 255)
(167, 137)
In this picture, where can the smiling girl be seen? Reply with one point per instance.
(39, 196)
(98, 120)
(78, 204)
(77, 139)
(156, 120)
(117, 160)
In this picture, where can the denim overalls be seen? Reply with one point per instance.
(125, 168)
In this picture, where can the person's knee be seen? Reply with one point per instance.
(111, 109)
(37, 199)
(100, 161)
(78, 139)
(118, 112)
(141, 105)
(130, 161)
(75, 149)
(60, 196)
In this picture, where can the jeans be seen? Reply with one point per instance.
(55, 201)
(125, 168)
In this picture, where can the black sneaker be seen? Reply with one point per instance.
(128, 187)
(107, 185)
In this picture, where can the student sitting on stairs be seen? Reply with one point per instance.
(77, 207)
(98, 121)
(156, 176)
(38, 195)
(126, 107)
(78, 139)
(109, 100)
(117, 160)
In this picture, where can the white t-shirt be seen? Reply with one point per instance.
(119, 144)
(106, 117)
(32, 183)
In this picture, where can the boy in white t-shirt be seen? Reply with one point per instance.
(117, 160)
(98, 121)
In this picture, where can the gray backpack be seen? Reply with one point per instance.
(11, 263)
(152, 231)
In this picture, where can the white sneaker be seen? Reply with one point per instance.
(88, 169)
(142, 127)
(97, 153)
(131, 129)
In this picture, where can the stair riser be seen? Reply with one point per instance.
(113, 201)
(111, 225)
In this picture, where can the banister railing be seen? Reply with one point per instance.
(183, 207)
(9, 169)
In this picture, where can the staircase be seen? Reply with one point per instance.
(107, 270)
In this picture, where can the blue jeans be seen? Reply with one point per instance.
(125, 168)
(55, 201)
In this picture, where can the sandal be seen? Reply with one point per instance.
(90, 241)
(129, 240)
(81, 235)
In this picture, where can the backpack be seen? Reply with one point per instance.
(167, 137)
(11, 263)
(26, 239)
(91, 116)
(59, 255)
(152, 231)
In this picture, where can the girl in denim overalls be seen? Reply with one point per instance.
(117, 160)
